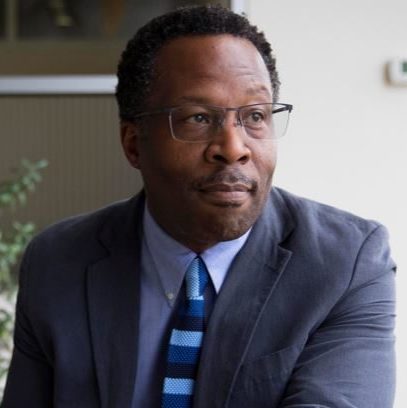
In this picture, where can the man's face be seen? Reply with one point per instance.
(207, 192)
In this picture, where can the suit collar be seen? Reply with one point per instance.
(276, 222)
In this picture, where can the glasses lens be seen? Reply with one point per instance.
(265, 121)
(281, 118)
(194, 123)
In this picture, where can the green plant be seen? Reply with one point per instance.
(14, 237)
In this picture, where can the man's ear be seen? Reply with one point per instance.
(130, 135)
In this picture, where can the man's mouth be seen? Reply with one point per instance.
(226, 194)
(226, 181)
(226, 188)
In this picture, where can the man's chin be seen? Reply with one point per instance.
(228, 226)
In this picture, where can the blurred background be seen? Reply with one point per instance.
(347, 140)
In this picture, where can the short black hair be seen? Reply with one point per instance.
(135, 70)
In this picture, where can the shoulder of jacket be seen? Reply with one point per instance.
(309, 211)
(79, 231)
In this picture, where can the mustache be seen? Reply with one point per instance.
(225, 177)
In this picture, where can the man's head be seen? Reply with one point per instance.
(212, 190)
(136, 67)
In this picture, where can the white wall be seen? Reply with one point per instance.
(347, 143)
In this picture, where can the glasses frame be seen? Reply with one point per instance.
(281, 107)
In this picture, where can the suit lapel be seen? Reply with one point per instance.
(248, 286)
(113, 290)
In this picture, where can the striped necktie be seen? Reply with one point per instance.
(186, 341)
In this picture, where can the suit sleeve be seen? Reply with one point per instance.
(29, 382)
(349, 360)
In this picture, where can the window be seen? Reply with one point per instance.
(72, 36)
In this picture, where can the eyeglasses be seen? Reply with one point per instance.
(200, 123)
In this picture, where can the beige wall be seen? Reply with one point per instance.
(79, 136)
(347, 143)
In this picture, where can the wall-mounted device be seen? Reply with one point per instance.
(397, 71)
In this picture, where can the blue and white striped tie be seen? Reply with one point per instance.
(186, 340)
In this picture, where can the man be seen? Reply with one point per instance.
(293, 303)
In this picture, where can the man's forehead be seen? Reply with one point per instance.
(206, 55)
(193, 44)
(197, 69)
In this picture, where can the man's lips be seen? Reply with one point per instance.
(225, 181)
(225, 187)
(224, 194)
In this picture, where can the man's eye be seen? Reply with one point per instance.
(199, 118)
(256, 117)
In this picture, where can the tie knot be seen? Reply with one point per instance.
(196, 278)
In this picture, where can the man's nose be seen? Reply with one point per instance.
(229, 144)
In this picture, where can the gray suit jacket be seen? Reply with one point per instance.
(304, 319)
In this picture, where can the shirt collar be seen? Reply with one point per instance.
(171, 259)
